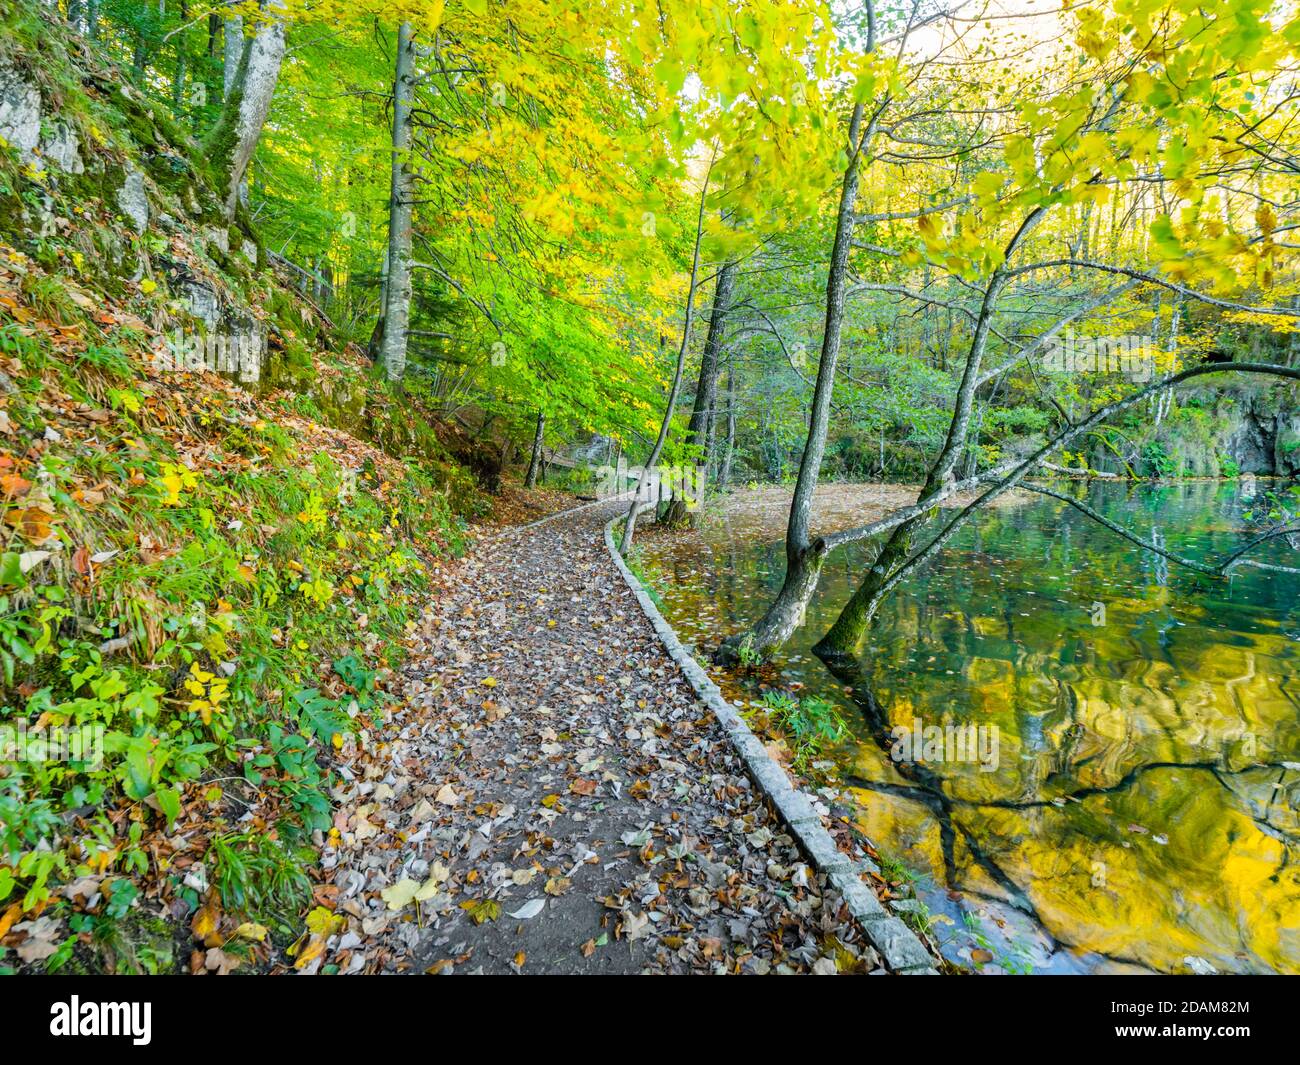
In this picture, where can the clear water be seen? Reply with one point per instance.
(1143, 803)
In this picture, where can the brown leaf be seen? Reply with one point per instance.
(219, 962)
(14, 486)
(81, 561)
(35, 524)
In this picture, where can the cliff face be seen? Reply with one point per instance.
(108, 193)
(1258, 430)
(1286, 442)
(1238, 428)
(107, 178)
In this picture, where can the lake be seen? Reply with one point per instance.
(1129, 798)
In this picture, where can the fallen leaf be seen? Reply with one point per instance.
(481, 910)
(29, 560)
(314, 949)
(205, 920)
(401, 894)
(322, 922)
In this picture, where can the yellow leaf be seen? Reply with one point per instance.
(204, 922)
(8, 918)
(322, 922)
(400, 895)
(314, 949)
(251, 930)
(481, 910)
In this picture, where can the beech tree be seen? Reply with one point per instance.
(249, 91)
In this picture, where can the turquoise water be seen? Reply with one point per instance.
(1141, 806)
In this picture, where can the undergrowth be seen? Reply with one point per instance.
(206, 600)
(203, 589)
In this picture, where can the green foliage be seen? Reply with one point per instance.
(635, 561)
(812, 725)
(1157, 461)
(260, 876)
(747, 655)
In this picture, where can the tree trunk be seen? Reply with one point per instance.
(232, 51)
(232, 142)
(724, 474)
(861, 608)
(178, 81)
(803, 560)
(629, 528)
(706, 391)
(849, 628)
(375, 347)
(397, 295)
(534, 463)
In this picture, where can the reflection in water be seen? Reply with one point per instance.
(1144, 803)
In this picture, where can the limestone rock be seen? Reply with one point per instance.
(61, 150)
(133, 201)
(20, 112)
(218, 236)
(203, 303)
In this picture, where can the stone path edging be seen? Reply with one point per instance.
(898, 945)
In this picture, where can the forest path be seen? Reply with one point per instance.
(550, 760)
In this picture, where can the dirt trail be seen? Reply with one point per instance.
(550, 761)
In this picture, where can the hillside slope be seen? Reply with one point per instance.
(217, 526)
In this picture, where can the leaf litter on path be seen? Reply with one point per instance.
(604, 824)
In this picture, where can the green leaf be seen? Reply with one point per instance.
(319, 714)
(169, 801)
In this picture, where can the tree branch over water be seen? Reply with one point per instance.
(1221, 570)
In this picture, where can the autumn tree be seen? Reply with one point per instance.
(1142, 104)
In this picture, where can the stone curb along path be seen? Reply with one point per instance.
(898, 945)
